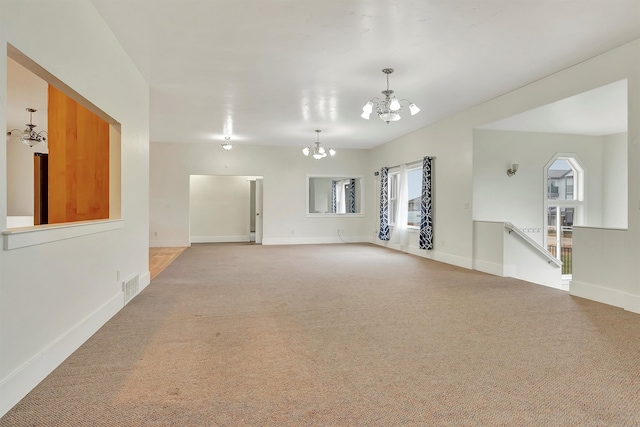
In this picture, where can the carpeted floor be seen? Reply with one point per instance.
(344, 335)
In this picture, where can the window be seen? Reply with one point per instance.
(414, 186)
(564, 203)
(394, 182)
(414, 196)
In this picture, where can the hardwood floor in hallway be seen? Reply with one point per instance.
(160, 258)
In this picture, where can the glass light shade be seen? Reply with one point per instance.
(305, 151)
(321, 150)
(29, 141)
(365, 115)
(332, 152)
(318, 156)
(368, 108)
(395, 104)
(413, 108)
(389, 116)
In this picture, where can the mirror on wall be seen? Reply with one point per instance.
(334, 195)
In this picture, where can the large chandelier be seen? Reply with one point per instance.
(317, 151)
(389, 108)
(29, 136)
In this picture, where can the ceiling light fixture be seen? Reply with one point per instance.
(227, 143)
(317, 150)
(388, 109)
(29, 136)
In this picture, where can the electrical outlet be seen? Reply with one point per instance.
(155, 234)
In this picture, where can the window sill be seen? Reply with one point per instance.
(17, 238)
(335, 215)
(410, 228)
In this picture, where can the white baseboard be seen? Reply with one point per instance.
(456, 260)
(489, 267)
(313, 240)
(632, 303)
(221, 239)
(604, 295)
(154, 243)
(439, 256)
(17, 384)
(145, 279)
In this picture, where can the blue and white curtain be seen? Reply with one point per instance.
(384, 204)
(334, 197)
(426, 217)
(352, 195)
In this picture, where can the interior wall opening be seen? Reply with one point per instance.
(67, 177)
(225, 209)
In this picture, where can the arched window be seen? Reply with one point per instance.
(564, 206)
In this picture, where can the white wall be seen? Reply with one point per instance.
(219, 208)
(450, 141)
(520, 199)
(284, 171)
(19, 156)
(614, 185)
(62, 286)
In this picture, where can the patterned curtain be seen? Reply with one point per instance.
(334, 197)
(426, 218)
(384, 204)
(352, 196)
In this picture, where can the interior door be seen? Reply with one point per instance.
(259, 211)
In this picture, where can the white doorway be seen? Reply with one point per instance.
(223, 209)
(258, 211)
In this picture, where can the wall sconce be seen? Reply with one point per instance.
(513, 170)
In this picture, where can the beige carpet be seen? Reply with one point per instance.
(344, 335)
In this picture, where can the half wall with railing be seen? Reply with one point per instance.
(504, 250)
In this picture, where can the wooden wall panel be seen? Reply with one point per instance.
(78, 161)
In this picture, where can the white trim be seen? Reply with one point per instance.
(632, 303)
(169, 243)
(335, 215)
(490, 267)
(604, 295)
(360, 193)
(38, 235)
(21, 381)
(221, 239)
(145, 280)
(313, 240)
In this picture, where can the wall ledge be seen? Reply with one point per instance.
(30, 236)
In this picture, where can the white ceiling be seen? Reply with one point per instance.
(273, 71)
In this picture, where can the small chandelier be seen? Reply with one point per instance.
(29, 136)
(227, 143)
(388, 109)
(317, 150)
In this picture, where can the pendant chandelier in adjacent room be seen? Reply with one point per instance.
(316, 150)
(29, 136)
(389, 108)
